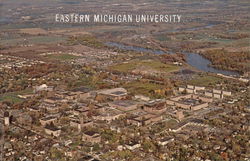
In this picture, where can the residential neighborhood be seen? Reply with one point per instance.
(111, 120)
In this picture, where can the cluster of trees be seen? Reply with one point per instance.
(88, 40)
(40, 70)
(222, 59)
(13, 80)
(178, 57)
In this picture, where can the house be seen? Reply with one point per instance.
(86, 158)
(52, 108)
(226, 93)
(68, 142)
(246, 127)
(190, 86)
(54, 100)
(219, 96)
(190, 90)
(70, 96)
(165, 141)
(47, 120)
(91, 136)
(79, 124)
(52, 130)
(100, 107)
(34, 109)
(83, 110)
(217, 91)
(75, 123)
(133, 145)
(181, 89)
(208, 94)
(69, 153)
(142, 98)
(25, 96)
(247, 108)
(87, 123)
(199, 88)
(43, 87)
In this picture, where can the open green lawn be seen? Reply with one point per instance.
(142, 88)
(46, 39)
(10, 98)
(33, 40)
(153, 64)
(163, 38)
(171, 123)
(13, 96)
(240, 43)
(62, 57)
(205, 80)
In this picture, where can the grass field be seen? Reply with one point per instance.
(205, 80)
(153, 64)
(63, 57)
(10, 98)
(33, 40)
(171, 123)
(144, 88)
(163, 38)
(13, 96)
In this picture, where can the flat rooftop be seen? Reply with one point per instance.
(119, 93)
(48, 118)
(114, 91)
(190, 101)
(124, 103)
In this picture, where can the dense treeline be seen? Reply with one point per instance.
(236, 61)
(230, 36)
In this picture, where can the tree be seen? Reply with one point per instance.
(96, 147)
(149, 146)
(56, 154)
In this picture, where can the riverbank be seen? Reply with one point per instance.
(193, 59)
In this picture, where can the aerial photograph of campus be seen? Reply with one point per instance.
(124, 80)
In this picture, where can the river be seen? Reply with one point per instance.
(195, 60)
